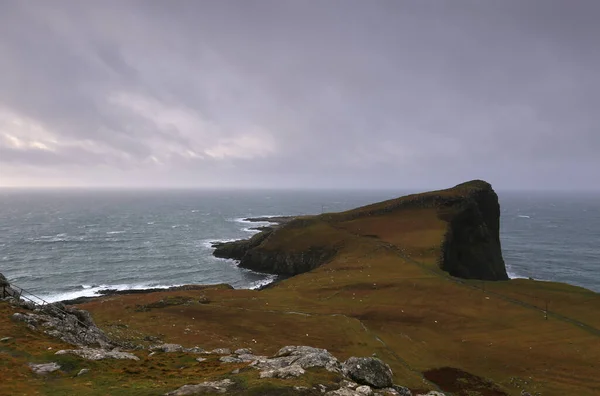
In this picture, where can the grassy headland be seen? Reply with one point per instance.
(385, 287)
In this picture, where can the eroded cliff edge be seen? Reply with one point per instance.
(467, 220)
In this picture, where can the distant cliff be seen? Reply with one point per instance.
(469, 215)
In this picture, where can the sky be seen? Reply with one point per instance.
(300, 94)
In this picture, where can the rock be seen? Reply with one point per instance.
(368, 371)
(307, 357)
(283, 373)
(230, 359)
(348, 384)
(221, 351)
(364, 390)
(250, 358)
(402, 390)
(432, 393)
(236, 371)
(343, 392)
(243, 351)
(98, 354)
(167, 348)
(205, 387)
(73, 326)
(82, 372)
(193, 350)
(45, 368)
(3, 281)
(201, 359)
(5, 339)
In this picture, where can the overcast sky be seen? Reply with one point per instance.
(363, 94)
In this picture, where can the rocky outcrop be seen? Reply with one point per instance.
(74, 326)
(471, 247)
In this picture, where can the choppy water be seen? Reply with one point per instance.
(66, 244)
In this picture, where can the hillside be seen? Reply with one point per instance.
(418, 281)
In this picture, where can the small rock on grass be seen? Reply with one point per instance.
(5, 339)
(45, 368)
(205, 387)
(82, 372)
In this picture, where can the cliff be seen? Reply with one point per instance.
(470, 247)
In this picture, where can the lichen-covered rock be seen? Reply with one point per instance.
(98, 354)
(402, 391)
(368, 371)
(221, 351)
(292, 371)
(364, 390)
(45, 368)
(307, 357)
(205, 387)
(71, 325)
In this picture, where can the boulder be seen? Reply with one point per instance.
(3, 281)
(167, 348)
(205, 387)
(368, 371)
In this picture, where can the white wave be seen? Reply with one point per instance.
(524, 216)
(150, 222)
(207, 243)
(116, 232)
(94, 291)
(263, 282)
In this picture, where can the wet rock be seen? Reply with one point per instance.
(82, 372)
(205, 387)
(292, 371)
(368, 371)
(98, 354)
(45, 368)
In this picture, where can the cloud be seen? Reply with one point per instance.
(281, 93)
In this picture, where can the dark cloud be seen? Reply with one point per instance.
(284, 93)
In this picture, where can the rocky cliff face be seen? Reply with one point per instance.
(471, 248)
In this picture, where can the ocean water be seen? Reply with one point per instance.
(65, 244)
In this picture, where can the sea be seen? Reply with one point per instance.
(64, 244)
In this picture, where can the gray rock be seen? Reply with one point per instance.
(243, 351)
(292, 371)
(303, 356)
(364, 390)
(193, 350)
(368, 371)
(167, 348)
(236, 371)
(205, 387)
(5, 339)
(45, 368)
(221, 351)
(348, 384)
(3, 281)
(342, 392)
(73, 326)
(82, 372)
(432, 393)
(230, 359)
(201, 359)
(402, 390)
(98, 354)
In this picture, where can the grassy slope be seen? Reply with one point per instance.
(383, 294)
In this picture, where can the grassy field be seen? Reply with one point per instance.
(381, 294)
